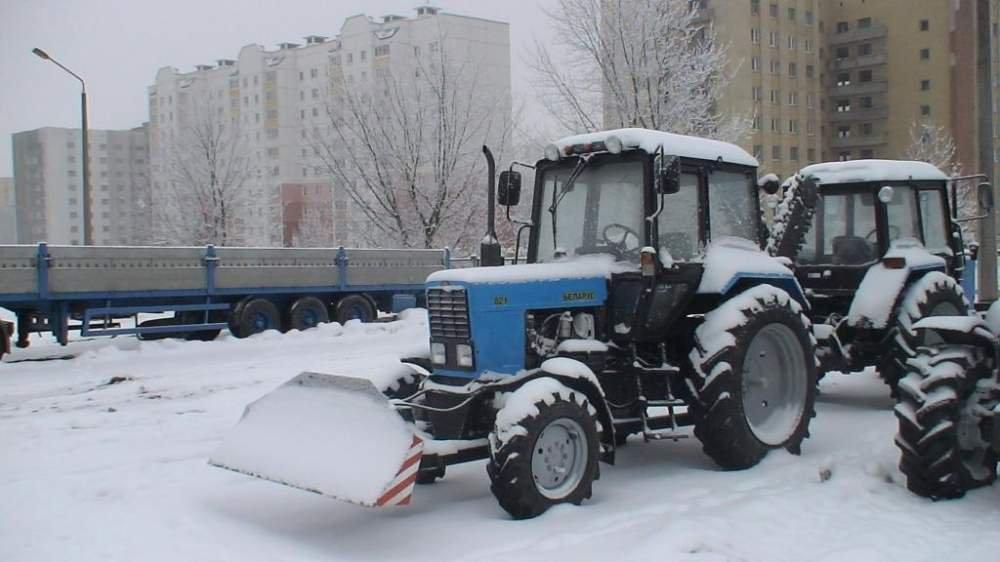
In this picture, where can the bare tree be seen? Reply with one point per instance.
(406, 148)
(207, 169)
(934, 144)
(635, 63)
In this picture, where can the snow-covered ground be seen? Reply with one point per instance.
(91, 470)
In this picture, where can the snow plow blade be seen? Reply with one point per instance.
(331, 435)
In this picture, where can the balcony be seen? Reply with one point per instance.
(857, 35)
(872, 114)
(859, 141)
(859, 61)
(858, 89)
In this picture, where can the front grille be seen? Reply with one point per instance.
(449, 314)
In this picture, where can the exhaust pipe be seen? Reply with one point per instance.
(489, 248)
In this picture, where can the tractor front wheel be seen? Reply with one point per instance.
(544, 449)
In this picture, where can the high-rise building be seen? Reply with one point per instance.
(271, 104)
(774, 66)
(48, 186)
(8, 214)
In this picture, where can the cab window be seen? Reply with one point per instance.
(843, 231)
(731, 206)
(677, 225)
(902, 213)
(935, 223)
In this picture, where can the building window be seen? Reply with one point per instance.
(866, 102)
(867, 154)
(775, 67)
(865, 76)
(774, 125)
(791, 14)
(772, 39)
(808, 46)
(844, 156)
(756, 93)
(842, 27)
(843, 132)
(364, 55)
(843, 106)
(843, 53)
(925, 110)
(811, 154)
(776, 97)
(866, 129)
(810, 71)
(864, 23)
(382, 50)
(756, 122)
(793, 153)
(758, 151)
(793, 126)
(755, 64)
(754, 7)
(810, 127)
(925, 54)
(864, 49)
(776, 152)
(925, 25)
(809, 17)
(773, 10)
(792, 42)
(350, 58)
(810, 100)
(754, 35)
(925, 85)
(793, 98)
(844, 79)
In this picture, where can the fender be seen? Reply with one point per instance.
(885, 283)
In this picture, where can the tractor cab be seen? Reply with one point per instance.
(864, 209)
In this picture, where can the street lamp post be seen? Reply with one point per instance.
(88, 238)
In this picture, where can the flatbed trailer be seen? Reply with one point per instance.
(59, 289)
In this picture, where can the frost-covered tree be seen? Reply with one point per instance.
(206, 172)
(934, 144)
(405, 144)
(314, 228)
(635, 63)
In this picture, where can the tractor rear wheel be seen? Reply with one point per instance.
(934, 294)
(544, 450)
(944, 425)
(755, 378)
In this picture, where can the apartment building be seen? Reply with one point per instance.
(774, 63)
(275, 104)
(8, 212)
(48, 186)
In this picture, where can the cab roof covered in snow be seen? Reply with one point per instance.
(645, 139)
(856, 171)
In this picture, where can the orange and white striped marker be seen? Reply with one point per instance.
(400, 490)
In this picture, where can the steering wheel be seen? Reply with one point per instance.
(894, 232)
(616, 236)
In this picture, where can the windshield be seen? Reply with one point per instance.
(601, 213)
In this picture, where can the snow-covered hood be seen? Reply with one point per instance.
(577, 267)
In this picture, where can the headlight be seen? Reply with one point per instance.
(437, 354)
(613, 144)
(464, 353)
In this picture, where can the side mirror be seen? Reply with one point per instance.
(668, 174)
(985, 196)
(509, 188)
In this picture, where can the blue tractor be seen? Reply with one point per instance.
(645, 305)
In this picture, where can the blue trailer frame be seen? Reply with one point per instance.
(94, 309)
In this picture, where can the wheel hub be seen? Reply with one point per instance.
(558, 459)
(774, 392)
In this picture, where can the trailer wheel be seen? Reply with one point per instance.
(934, 294)
(256, 316)
(546, 453)
(944, 422)
(196, 318)
(354, 307)
(755, 378)
(307, 312)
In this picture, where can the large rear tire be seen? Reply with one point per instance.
(934, 294)
(255, 316)
(306, 313)
(755, 378)
(545, 454)
(943, 436)
(354, 307)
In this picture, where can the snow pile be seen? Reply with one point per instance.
(577, 267)
(729, 257)
(875, 297)
(855, 171)
(673, 144)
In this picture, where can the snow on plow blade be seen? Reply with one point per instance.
(332, 435)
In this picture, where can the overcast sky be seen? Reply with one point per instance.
(118, 45)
